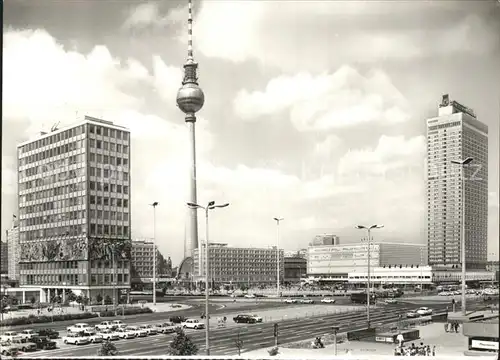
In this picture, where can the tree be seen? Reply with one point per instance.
(98, 298)
(107, 300)
(32, 300)
(107, 349)
(182, 345)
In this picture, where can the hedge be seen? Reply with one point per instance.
(33, 319)
(128, 311)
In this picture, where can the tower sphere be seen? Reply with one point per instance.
(190, 98)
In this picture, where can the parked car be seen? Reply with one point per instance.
(306, 301)
(192, 324)
(27, 334)
(290, 301)
(9, 335)
(257, 318)
(8, 349)
(245, 319)
(250, 296)
(22, 344)
(149, 328)
(138, 332)
(76, 338)
(94, 337)
(391, 301)
(444, 293)
(424, 311)
(125, 333)
(51, 334)
(412, 314)
(166, 328)
(328, 301)
(104, 325)
(108, 334)
(76, 328)
(177, 319)
(118, 323)
(44, 343)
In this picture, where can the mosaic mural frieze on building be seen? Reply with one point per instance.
(101, 248)
(54, 250)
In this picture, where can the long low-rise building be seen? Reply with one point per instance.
(238, 265)
(408, 275)
(335, 262)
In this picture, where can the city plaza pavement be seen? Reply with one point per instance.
(254, 336)
(448, 345)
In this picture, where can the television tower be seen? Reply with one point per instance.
(190, 99)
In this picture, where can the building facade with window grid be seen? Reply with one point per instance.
(74, 209)
(13, 251)
(141, 268)
(239, 266)
(456, 134)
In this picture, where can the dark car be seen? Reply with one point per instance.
(177, 319)
(44, 343)
(247, 319)
(51, 334)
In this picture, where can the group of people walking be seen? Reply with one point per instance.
(452, 327)
(413, 350)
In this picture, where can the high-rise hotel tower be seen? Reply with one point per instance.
(74, 210)
(456, 134)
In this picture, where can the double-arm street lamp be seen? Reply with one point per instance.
(369, 229)
(278, 220)
(463, 164)
(154, 205)
(210, 206)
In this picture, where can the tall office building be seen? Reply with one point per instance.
(142, 263)
(325, 240)
(4, 258)
(456, 134)
(13, 251)
(74, 209)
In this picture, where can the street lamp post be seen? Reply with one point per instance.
(154, 205)
(369, 229)
(210, 206)
(463, 164)
(335, 330)
(278, 220)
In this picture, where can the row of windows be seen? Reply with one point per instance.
(52, 166)
(53, 205)
(56, 151)
(67, 279)
(108, 215)
(108, 160)
(106, 264)
(98, 186)
(53, 218)
(63, 135)
(52, 265)
(107, 279)
(55, 191)
(444, 126)
(105, 201)
(105, 131)
(106, 230)
(58, 231)
(108, 146)
(51, 179)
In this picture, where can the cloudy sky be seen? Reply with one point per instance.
(315, 111)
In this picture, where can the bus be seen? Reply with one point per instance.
(360, 298)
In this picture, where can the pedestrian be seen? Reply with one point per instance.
(434, 350)
(400, 339)
(446, 326)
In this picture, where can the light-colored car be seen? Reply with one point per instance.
(138, 331)
(306, 301)
(104, 325)
(257, 318)
(9, 335)
(76, 339)
(424, 311)
(290, 301)
(76, 328)
(118, 324)
(192, 324)
(108, 334)
(412, 314)
(22, 344)
(444, 293)
(149, 328)
(166, 328)
(94, 337)
(8, 349)
(328, 301)
(391, 301)
(28, 334)
(125, 333)
(250, 296)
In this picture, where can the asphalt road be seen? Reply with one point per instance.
(197, 307)
(255, 336)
